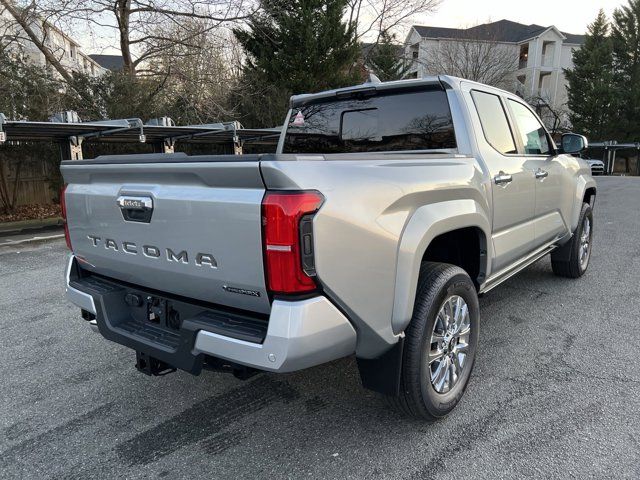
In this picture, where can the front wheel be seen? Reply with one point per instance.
(440, 342)
(572, 259)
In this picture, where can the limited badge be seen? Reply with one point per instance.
(241, 291)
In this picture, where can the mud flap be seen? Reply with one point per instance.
(382, 374)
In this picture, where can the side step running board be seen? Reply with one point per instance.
(506, 274)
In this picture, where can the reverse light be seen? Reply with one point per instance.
(288, 240)
(63, 207)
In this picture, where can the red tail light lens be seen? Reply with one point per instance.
(63, 207)
(282, 213)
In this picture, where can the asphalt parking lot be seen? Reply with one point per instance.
(555, 392)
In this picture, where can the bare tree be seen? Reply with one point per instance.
(146, 29)
(200, 79)
(31, 27)
(373, 17)
(8, 32)
(555, 117)
(480, 60)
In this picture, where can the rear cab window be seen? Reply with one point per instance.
(385, 121)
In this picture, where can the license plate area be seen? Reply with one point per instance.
(164, 319)
(155, 310)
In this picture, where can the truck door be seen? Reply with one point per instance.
(550, 173)
(512, 183)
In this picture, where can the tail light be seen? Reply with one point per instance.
(63, 207)
(288, 240)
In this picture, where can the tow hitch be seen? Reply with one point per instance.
(152, 366)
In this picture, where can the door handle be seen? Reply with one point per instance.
(502, 178)
(541, 174)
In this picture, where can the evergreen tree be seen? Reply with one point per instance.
(590, 83)
(292, 47)
(386, 59)
(625, 35)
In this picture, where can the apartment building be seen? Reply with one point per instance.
(539, 54)
(63, 47)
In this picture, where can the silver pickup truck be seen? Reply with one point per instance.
(387, 209)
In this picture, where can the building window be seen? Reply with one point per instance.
(524, 56)
(415, 50)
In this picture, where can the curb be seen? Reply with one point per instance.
(26, 241)
(25, 225)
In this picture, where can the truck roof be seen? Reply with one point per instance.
(445, 81)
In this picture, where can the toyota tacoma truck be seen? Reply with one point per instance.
(385, 211)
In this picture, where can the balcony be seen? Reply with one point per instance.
(523, 57)
(548, 52)
(547, 60)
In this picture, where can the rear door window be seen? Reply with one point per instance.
(494, 122)
(389, 121)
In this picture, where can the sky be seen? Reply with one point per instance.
(571, 16)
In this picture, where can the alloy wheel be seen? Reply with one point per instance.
(585, 243)
(449, 344)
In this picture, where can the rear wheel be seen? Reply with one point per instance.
(572, 259)
(440, 342)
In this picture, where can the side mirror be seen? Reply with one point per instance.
(574, 143)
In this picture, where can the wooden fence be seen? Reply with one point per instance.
(38, 169)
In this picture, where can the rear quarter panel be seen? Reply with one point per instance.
(370, 202)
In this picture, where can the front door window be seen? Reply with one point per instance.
(533, 134)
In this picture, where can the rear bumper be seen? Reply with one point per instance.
(299, 334)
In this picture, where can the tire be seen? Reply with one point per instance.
(569, 260)
(419, 396)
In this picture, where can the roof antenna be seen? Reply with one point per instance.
(373, 78)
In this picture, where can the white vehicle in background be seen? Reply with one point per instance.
(597, 166)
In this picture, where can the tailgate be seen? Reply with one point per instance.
(186, 228)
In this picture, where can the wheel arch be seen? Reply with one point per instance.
(585, 192)
(590, 196)
(464, 217)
